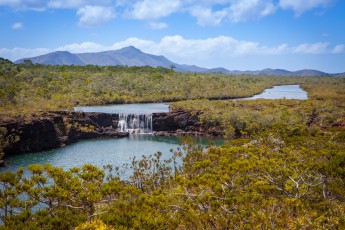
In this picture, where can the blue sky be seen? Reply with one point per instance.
(235, 34)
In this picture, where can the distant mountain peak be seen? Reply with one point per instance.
(130, 49)
(132, 56)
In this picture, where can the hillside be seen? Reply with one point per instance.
(131, 56)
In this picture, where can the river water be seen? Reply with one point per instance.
(117, 151)
(102, 152)
(281, 92)
(146, 108)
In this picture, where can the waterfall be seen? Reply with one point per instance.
(135, 123)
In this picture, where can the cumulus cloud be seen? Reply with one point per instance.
(314, 48)
(75, 4)
(45, 4)
(17, 26)
(154, 9)
(250, 9)
(218, 51)
(38, 5)
(82, 47)
(137, 42)
(94, 15)
(205, 16)
(301, 6)
(232, 11)
(17, 53)
(206, 12)
(204, 52)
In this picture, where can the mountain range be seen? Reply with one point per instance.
(131, 56)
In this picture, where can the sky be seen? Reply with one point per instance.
(234, 34)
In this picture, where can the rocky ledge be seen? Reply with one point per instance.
(51, 130)
(181, 122)
(54, 129)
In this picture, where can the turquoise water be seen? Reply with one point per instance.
(116, 152)
(281, 92)
(277, 92)
(100, 152)
(147, 108)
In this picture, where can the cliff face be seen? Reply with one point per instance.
(181, 122)
(173, 121)
(55, 129)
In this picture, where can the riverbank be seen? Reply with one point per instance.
(51, 130)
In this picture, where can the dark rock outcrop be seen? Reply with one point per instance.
(180, 122)
(174, 121)
(51, 130)
(54, 129)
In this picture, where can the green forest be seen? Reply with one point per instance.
(282, 166)
(37, 87)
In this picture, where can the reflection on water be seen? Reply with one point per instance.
(116, 152)
(101, 152)
(277, 92)
(146, 108)
(281, 92)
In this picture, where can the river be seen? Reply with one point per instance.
(117, 151)
(281, 92)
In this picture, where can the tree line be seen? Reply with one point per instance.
(282, 167)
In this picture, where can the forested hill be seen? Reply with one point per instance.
(282, 166)
(131, 56)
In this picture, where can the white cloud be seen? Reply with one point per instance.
(314, 48)
(82, 47)
(94, 15)
(245, 10)
(232, 10)
(158, 25)
(25, 4)
(45, 4)
(17, 26)
(17, 53)
(211, 52)
(66, 4)
(75, 4)
(301, 6)
(205, 16)
(154, 9)
(137, 42)
(55, 4)
(194, 51)
(338, 49)
(206, 12)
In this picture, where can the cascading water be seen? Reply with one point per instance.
(135, 123)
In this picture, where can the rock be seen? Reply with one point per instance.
(58, 128)
(29, 136)
(104, 119)
(175, 120)
(183, 123)
(54, 129)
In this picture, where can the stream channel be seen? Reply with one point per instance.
(134, 118)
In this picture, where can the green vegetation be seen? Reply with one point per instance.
(26, 88)
(283, 168)
(323, 113)
(267, 183)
